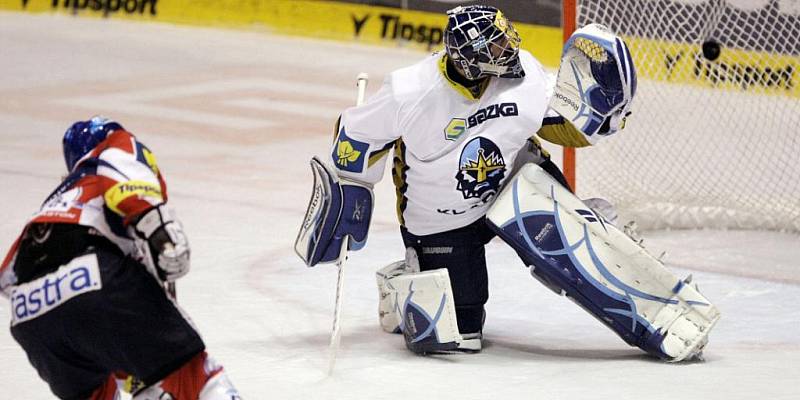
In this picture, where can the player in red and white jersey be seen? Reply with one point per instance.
(119, 175)
(85, 279)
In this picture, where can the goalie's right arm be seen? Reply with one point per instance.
(337, 219)
(341, 204)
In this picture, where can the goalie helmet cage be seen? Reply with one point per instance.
(714, 138)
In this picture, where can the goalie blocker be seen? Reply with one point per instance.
(575, 252)
(337, 218)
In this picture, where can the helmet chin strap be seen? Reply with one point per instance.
(492, 69)
(460, 74)
(487, 70)
(461, 69)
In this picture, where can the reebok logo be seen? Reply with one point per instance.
(567, 100)
(35, 298)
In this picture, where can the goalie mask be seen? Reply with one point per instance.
(481, 42)
(83, 136)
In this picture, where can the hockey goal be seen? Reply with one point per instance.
(714, 138)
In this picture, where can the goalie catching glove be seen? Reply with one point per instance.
(596, 82)
(162, 244)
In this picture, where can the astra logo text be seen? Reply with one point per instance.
(35, 298)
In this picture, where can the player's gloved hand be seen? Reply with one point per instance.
(162, 243)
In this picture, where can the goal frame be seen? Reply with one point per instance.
(569, 21)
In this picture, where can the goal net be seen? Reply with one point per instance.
(714, 138)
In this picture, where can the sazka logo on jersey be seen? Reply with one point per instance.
(349, 154)
(481, 169)
(457, 126)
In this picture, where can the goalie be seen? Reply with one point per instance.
(464, 128)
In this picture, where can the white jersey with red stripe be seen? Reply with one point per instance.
(106, 190)
(452, 151)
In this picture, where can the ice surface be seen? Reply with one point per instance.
(233, 118)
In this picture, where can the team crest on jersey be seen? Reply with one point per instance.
(349, 154)
(481, 169)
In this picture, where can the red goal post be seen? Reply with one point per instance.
(568, 21)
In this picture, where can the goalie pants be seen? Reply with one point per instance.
(129, 325)
(461, 252)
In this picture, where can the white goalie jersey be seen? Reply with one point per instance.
(452, 152)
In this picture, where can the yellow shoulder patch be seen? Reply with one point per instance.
(564, 134)
(150, 159)
(125, 190)
(346, 152)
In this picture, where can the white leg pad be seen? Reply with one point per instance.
(419, 304)
(389, 306)
(576, 252)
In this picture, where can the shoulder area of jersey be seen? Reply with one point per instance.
(89, 138)
(531, 64)
(417, 77)
(119, 139)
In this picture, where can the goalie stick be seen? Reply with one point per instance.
(171, 291)
(336, 331)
